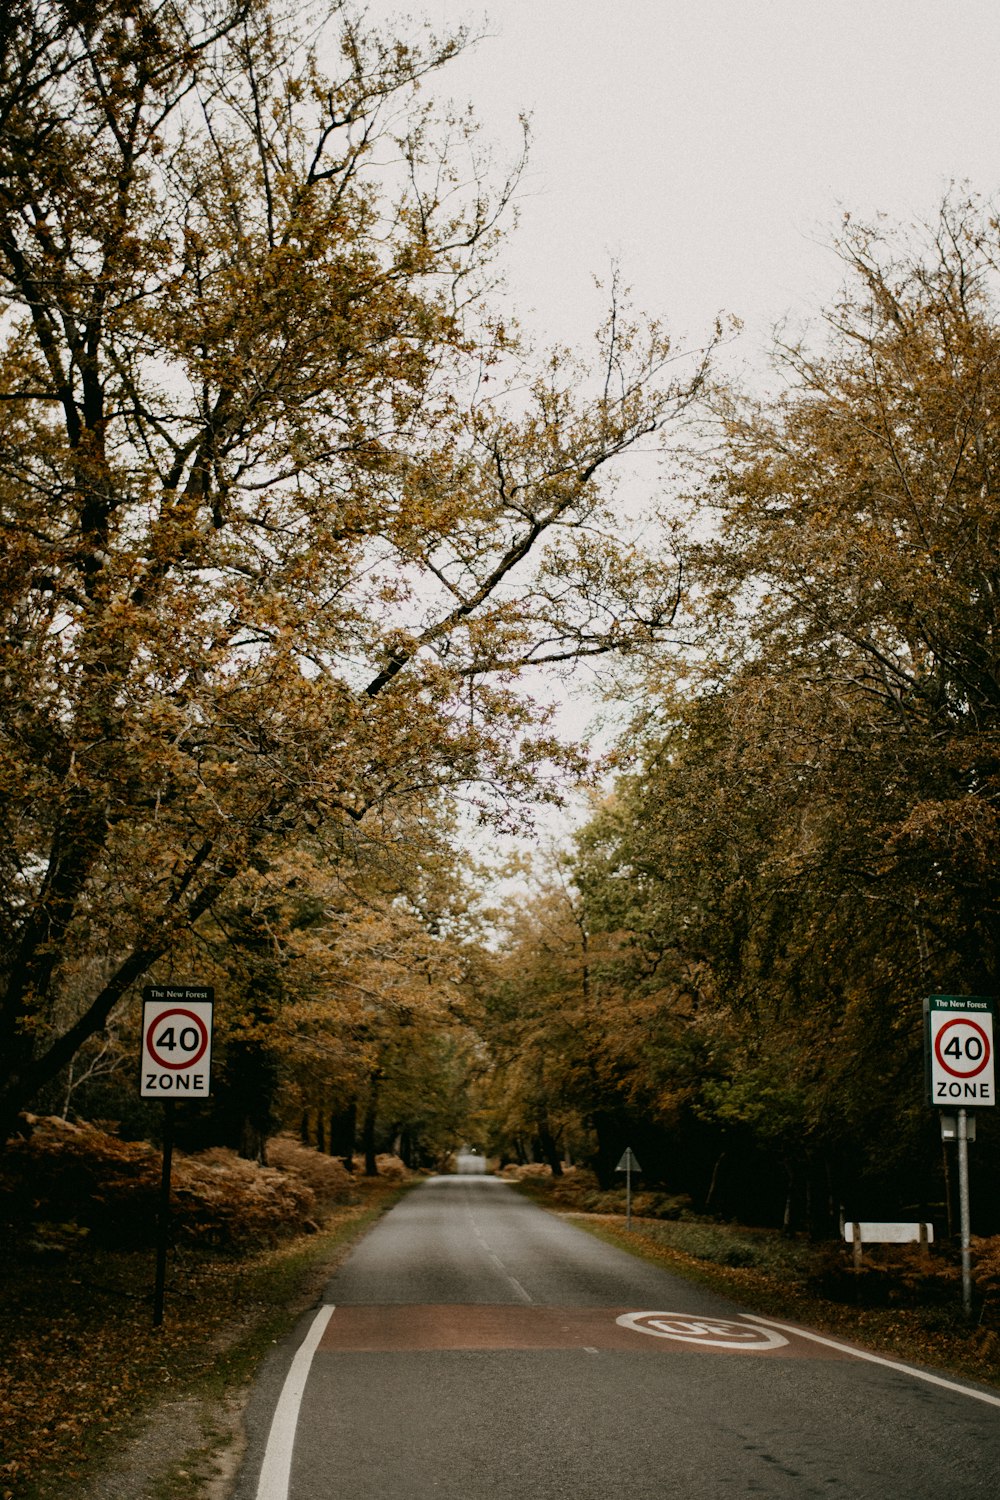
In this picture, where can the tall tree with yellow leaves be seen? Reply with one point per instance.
(285, 511)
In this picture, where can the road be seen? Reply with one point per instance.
(474, 1347)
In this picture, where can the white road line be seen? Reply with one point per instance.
(519, 1289)
(277, 1465)
(876, 1359)
(494, 1257)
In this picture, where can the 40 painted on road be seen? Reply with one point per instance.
(717, 1333)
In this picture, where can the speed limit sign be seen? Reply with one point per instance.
(960, 1050)
(176, 1057)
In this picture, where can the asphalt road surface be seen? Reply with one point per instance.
(474, 1347)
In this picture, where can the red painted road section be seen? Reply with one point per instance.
(397, 1329)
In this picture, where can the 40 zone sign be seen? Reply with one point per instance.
(960, 1050)
(176, 1042)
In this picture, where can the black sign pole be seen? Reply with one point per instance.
(163, 1213)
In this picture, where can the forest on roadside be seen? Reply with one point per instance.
(291, 509)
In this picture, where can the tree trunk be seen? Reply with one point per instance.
(252, 1078)
(343, 1134)
(710, 1195)
(253, 1142)
(788, 1218)
(610, 1145)
(251, 1059)
(368, 1128)
(831, 1197)
(549, 1149)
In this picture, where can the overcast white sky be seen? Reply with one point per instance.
(710, 145)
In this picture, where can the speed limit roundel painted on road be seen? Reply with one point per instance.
(709, 1333)
(960, 1050)
(176, 1042)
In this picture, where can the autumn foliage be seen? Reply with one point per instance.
(289, 511)
(80, 1361)
(287, 507)
(67, 1181)
(802, 840)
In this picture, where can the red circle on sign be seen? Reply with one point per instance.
(984, 1061)
(188, 1062)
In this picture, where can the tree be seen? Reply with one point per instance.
(584, 1047)
(860, 516)
(806, 839)
(535, 1016)
(372, 1014)
(277, 541)
(813, 814)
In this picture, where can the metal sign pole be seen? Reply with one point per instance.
(626, 1164)
(963, 1199)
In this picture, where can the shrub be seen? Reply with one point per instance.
(889, 1276)
(661, 1205)
(327, 1176)
(77, 1174)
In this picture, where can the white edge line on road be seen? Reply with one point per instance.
(277, 1465)
(876, 1359)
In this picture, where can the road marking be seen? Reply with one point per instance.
(876, 1359)
(277, 1465)
(494, 1257)
(519, 1289)
(717, 1333)
(394, 1327)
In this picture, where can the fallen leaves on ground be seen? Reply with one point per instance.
(79, 1357)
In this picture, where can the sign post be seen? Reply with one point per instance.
(960, 1072)
(628, 1165)
(176, 1059)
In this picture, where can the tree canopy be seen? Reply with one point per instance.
(806, 842)
(290, 508)
(286, 506)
